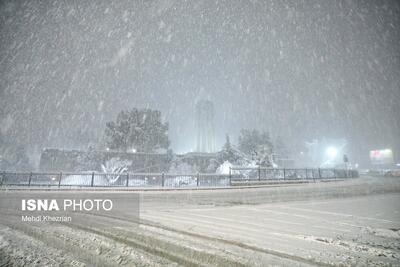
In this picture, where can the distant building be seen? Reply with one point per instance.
(205, 126)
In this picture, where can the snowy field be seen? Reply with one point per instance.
(342, 223)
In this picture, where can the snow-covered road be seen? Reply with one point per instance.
(356, 230)
(354, 222)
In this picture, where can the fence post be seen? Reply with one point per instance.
(259, 173)
(284, 173)
(198, 178)
(127, 179)
(230, 176)
(306, 174)
(313, 176)
(162, 179)
(319, 173)
(92, 182)
(30, 179)
(59, 180)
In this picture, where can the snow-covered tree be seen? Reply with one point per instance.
(139, 130)
(13, 155)
(15, 158)
(228, 153)
(257, 145)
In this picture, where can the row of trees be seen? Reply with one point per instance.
(253, 146)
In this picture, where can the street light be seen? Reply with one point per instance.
(331, 152)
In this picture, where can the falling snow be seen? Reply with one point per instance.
(301, 70)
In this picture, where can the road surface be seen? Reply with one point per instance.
(345, 223)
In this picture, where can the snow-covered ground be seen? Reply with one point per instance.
(351, 231)
(345, 223)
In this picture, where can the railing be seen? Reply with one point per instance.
(93, 179)
(236, 175)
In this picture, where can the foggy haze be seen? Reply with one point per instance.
(302, 70)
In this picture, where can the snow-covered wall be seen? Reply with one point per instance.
(75, 160)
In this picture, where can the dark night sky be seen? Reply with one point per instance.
(300, 69)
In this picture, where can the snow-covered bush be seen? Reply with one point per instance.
(113, 171)
(224, 168)
(114, 168)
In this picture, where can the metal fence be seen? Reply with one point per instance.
(236, 175)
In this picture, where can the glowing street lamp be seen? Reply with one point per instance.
(331, 152)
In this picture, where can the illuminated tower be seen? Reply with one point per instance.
(205, 126)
